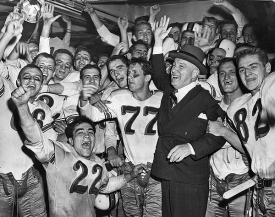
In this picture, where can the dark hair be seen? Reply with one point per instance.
(78, 120)
(81, 48)
(29, 66)
(253, 51)
(232, 60)
(257, 29)
(33, 42)
(136, 43)
(227, 60)
(63, 51)
(89, 66)
(142, 19)
(225, 22)
(145, 65)
(212, 20)
(117, 57)
(141, 23)
(45, 55)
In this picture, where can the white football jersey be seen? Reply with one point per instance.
(257, 136)
(137, 120)
(12, 156)
(43, 115)
(227, 159)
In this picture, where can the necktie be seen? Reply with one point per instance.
(173, 98)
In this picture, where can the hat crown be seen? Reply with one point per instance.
(193, 51)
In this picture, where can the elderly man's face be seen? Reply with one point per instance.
(183, 73)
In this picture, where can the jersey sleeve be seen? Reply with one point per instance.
(107, 36)
(44, 45)
(42, 148)
(95, 114)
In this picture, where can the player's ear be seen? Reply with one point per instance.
(70, 140)
(148, 78)
(268, 68)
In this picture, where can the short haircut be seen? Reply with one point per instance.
(81, 48)
(89, 66)
(33, 42)
(145, 65)
(141, 23)
(227, 60)
(212, 20)
(226, 22)
(253, 51)
(63, 51)
(142, 19)
(45, 55)
(131, 50)
(78, 120)
(175, 25)
(117, 57)
(29, 66)
(257, 29)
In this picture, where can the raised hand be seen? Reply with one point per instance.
(89, 9)
(154, 10)
(23, 50)
(120, 47)
(11, 17)
(48, 17)
(123, 22)
(21, 96)
(161, 30)
(66, 19)
(202, 37)
(14, 27)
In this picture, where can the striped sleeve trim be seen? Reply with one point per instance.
(2, 91)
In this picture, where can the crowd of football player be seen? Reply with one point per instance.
(64, 80)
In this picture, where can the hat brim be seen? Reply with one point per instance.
(196, 62)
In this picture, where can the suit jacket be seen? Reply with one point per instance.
(182, 125)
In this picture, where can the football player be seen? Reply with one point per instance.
(253, 117)
(74, 174)
(136, 109)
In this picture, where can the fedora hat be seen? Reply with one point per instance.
(191, 54)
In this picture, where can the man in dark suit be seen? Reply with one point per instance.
(181, 158)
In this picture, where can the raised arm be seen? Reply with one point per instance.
(104, 33)
(67, 36)
(36, 142)
(239, 17)
(160, 77)
(48, 19)
(123, 25)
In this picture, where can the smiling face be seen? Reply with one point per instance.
(47, 66)
(228, 31)
(82, 59)
(118, 72)
(91, 76)
(137, 81)
(252, 72)
(139, 51)
(183, 73)
(175, 34)
(250, 36)
(187, 38)
(228, 77)
(63, 66)
(214, 59)
(144, 32)
(83, 139)
(31, 78)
